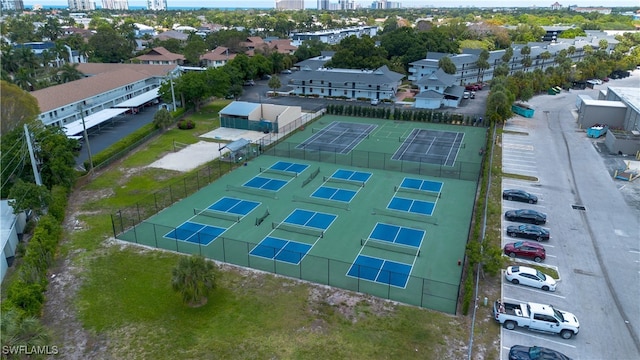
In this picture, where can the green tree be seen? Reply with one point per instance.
(192, 87)
(162, 119)
(192, 278)
(69, 72)
(195, 48)
(17, 107)
(21, 330)
(508, 54)
(274, 83)
(29, 196)
(482, 63)
(108, 46)
(358, 53)
(447, 65)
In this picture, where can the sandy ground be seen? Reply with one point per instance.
(202, 152)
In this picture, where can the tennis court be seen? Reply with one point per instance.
(360, 220)
(339, 137)
(436, 147)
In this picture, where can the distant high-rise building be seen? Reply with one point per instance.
(115, 4)
(81, 5)
(323, 4)
(12, 5)
(157, 5)
(290, 4)
(384, 4)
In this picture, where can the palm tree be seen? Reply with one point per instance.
(69, 72)
(26, 331)
(24, 78)
(482, 63)
(192, 278)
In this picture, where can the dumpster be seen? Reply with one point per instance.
(597, 130)
(551, 91)
(522, 109)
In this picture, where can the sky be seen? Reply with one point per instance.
(366, 3)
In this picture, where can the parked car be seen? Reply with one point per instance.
(249, 83)
(472, 95)
(286, 71)
(530, 277)
(265, 77)
(526, 216)
(526, 249)
(537, 317)
(533, 232)
(473, 87)
(519, 195)
(520, 352)
(466, 94)
(375, 102)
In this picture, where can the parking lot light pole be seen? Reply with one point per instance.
(86, 138)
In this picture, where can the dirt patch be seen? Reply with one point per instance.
(60, 314)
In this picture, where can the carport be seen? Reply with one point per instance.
(135, 103)
(92, 120)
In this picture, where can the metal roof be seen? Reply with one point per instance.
(140, 99)
(92, 120)
(237, 145)
(239, 108)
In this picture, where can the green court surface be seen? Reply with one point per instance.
(330, 208)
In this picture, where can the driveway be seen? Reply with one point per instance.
(594, 229)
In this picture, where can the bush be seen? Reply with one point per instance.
(185, 124)
(28, 297)
(468, 292)
(122, 145)
(58, 205)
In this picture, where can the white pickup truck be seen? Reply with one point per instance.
(537, 317)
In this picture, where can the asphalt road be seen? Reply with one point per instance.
(105, 135)
(596, 250)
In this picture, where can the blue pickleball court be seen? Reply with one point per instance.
(264, 183)
(423, 185)
(195, 233)
(411, 205)
(288, 166)
(397, 234)
(380, 271)
(330, 193)
(234, 206)
(281, 249)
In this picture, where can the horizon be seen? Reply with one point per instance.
(312, 4)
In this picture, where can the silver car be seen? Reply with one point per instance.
(531, 277)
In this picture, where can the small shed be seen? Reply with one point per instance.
(237, 150)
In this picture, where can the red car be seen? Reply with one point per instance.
(526, 249)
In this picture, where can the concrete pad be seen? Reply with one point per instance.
(190, 157)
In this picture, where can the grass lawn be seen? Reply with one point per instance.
(126, 295)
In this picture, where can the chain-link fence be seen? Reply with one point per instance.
(418, 291)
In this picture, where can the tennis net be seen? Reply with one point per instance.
(343, 181)
(430, 141)
(252, 191)
(280, 172)
(390, 246)
(347, 132)
(415, 191)
(298, 229)
(217, 214)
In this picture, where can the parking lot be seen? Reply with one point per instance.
(594, 230)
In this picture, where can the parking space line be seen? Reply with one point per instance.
(534, 290)
(544, 339)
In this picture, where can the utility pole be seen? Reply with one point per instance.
(173, 95)
(86, 138)
(34, 165)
